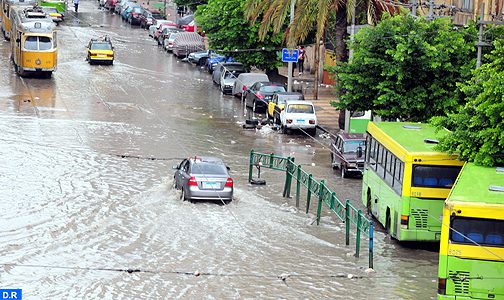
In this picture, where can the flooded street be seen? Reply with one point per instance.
(87, 189)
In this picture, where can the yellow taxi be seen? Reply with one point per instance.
(100, 51)
(277, 104)
(53, 12)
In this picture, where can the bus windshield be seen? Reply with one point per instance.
(487, 232)
(434, 176)
(35, 43)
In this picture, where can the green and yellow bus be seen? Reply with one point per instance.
(406, 181)
(471, 255)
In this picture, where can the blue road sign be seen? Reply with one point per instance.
(11, 294)
(289, 55)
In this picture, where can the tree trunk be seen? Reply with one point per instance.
(316, 66)
(341, 34)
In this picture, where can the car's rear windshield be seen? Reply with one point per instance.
(137, 10)
(157, 16)
(272, 89)
(207, 168)
(352, 146)
(232, 74)
(101, 46)
(300, 109)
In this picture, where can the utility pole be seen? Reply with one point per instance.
(480, 43)
(350, 55)
(430, 16)
(290, 65)
(413, 9)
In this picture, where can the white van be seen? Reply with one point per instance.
(246, 80)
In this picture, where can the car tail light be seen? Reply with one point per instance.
(110, 55)
(192, 182)
(441, 288)
(288, 121)
(170, 43)
(312, 122)
(229, 182)
(135, 15)
(259, 95)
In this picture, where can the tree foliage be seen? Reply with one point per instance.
(477, 129)
(227, 30)
(407, 69)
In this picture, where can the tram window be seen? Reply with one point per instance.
(55, 40)
(31, 43)
(45, 43)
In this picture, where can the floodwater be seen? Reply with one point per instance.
(79, 203)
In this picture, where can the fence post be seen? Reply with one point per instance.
(347, 221)
(288, 178)
(319, 208)
(308, 196)
(298, 185)
(371, 244)
(333, 197)
(357, 238)
(271, 161)
(251, 163)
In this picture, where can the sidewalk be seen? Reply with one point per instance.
(327, 115)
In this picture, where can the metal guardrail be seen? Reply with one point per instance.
(346, 212)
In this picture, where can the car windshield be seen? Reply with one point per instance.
(156, 16)
(232, 74)
(352, 146)
(51, 9)
(300, 109)
(137, 10)
(272, 89)
(101, 46)
(208, 168)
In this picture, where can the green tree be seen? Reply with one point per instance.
(227, 30)
(407, 69)
(477, 129)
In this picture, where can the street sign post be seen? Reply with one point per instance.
(290, 55)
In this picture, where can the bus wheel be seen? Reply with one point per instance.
(368, 205)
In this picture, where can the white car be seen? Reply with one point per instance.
(299, 114)
(227, 80)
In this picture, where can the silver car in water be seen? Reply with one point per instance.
(203, 178)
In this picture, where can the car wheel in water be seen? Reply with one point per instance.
(284, 129)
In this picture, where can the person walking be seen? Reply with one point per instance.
(76, 5)
(301, 58)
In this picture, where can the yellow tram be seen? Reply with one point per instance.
(33, 43)
(5, 13)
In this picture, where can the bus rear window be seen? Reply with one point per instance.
(434, 176)
(488, 232)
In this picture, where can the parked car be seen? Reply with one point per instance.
(185, 20)
(153, 28)
(245, 81)
(259, 94)
(199, 58)
(134, 15)
(299, 114)
(165, 33)
(230, 66)
(186, 43)
(277, 103)
(168, 43)
(161, 27)
(123, 6)
(213, 61)
(148, 17)
(228, 79)
(119, 5)
(203, 178)
(347, 153)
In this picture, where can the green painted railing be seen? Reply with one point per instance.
(346, 212)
